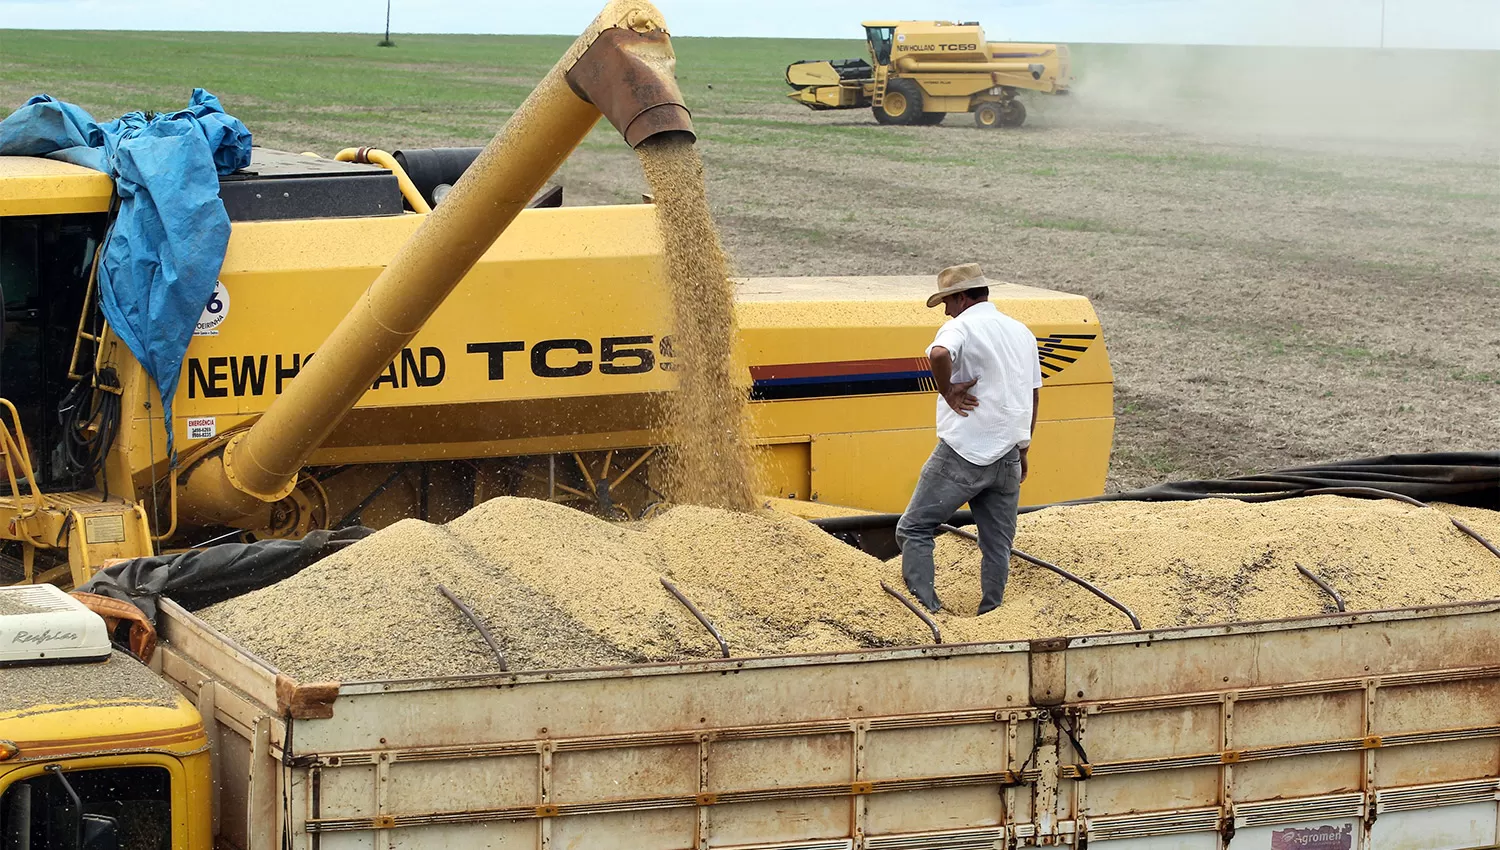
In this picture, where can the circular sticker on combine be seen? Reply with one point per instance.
(214, 314)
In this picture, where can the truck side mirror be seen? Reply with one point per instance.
(99, 832)
(94, 832)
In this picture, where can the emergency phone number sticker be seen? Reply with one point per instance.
(202, 427)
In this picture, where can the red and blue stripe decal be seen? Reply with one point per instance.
(789, 381)
(841, 378)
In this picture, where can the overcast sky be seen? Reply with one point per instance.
(1470, 24)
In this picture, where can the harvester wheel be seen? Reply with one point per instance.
(931, 119)
(987, 116)
(991, 115)
(1013, 113)
(902, 103)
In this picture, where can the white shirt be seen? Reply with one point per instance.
(1001, 352)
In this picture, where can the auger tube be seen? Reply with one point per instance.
(621, 67)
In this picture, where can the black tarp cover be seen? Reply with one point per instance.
(1460, 478)
(203, 577)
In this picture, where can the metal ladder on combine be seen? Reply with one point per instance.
(882, 75)
(86, 524)
(19, 508)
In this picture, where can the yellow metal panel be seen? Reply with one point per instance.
(812, 74)
(1069, 460)
(839, 97)
(103, 720)
(833, 97)
(875, 470)
(601, 336)
(836, 415)
(1075, 401)
(951, 92)
(34, 186)
(785, 469)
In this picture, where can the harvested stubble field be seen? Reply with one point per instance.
(1295, 253)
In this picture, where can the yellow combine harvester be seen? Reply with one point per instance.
(538, 371)
(924, 70)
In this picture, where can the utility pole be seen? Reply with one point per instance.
(386, 42)
(1382, 24)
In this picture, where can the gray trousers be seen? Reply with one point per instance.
(948, 481)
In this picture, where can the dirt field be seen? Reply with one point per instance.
(1295, 254)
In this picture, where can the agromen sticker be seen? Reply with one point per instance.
(1319, 838)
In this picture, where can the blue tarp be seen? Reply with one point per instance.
(162, 256)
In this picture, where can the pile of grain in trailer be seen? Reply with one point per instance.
(1214, 561)
(774, 580)
(561, 588)
(605, 576)
(373, 611)
(1486, 522)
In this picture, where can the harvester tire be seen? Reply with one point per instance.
(992, 116)
(1013, 113)
(902, 104)
(931, 119)
(988, 116)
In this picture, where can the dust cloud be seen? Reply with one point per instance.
(1442, 100)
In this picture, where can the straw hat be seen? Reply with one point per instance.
(957, 279)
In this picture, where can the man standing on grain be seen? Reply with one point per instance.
(987, 372)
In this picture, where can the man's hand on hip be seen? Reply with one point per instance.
(1025, 463)
(958, 398)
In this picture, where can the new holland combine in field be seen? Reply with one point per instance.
(924, 70)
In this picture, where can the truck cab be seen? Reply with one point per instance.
(97, 752)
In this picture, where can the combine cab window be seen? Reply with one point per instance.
(44, 271)
(880, 43)
(127, 808)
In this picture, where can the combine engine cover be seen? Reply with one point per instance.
(940, 40)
